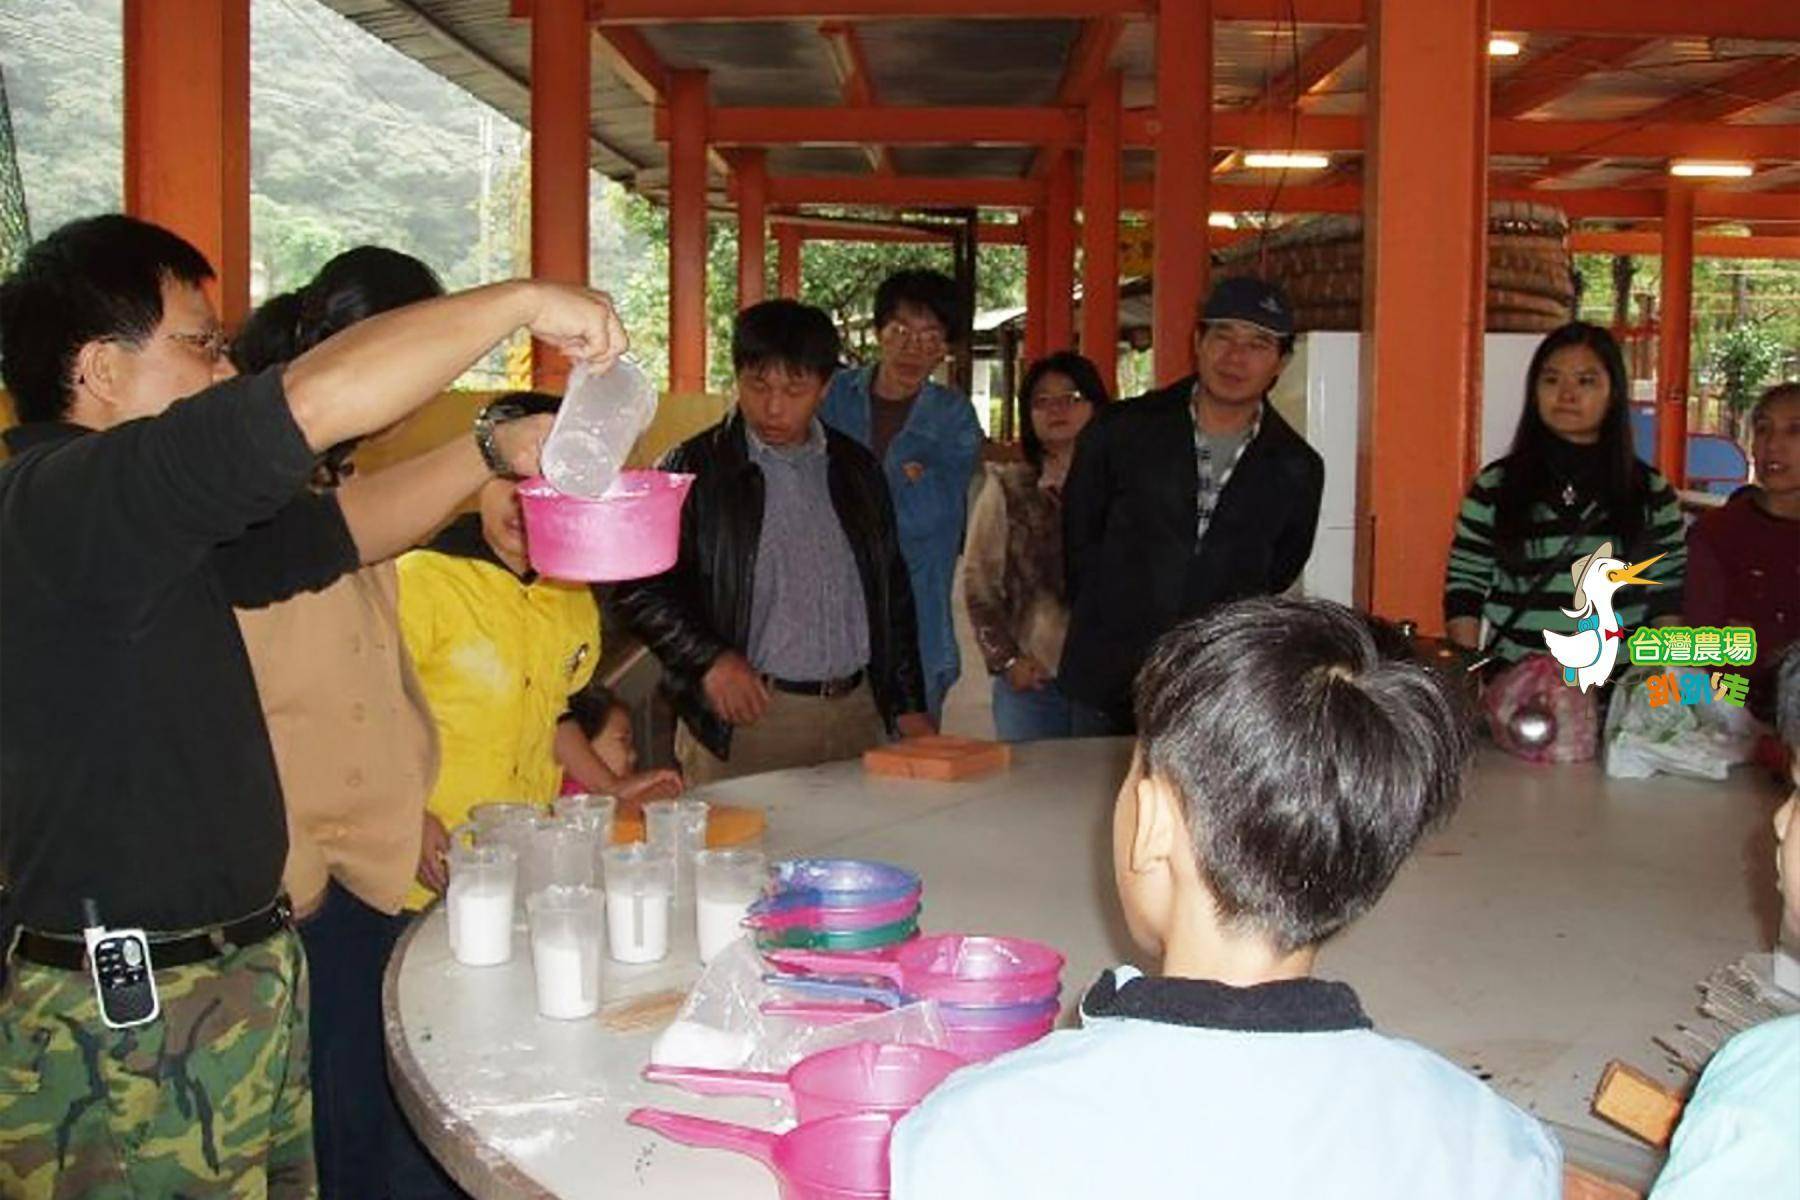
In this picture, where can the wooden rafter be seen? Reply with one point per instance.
(1546, 76)
(1325, 59)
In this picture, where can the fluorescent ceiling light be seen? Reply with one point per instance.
(1503, 47)
(1222, 220)
(1695, 169)
(1296, 160)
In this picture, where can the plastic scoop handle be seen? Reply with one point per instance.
(706, 1134)
(834, 1013)
(704, 1081)
(835, 989)
(834, 964)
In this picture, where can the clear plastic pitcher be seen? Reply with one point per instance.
(601, 418)
(677, 829)
(484, 877)
(726, 883)
(565, 950)
(639, 891)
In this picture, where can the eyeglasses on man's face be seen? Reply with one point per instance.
(901, 335)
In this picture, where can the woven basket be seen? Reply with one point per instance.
(1319, 262)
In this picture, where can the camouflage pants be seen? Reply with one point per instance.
(211, 1099)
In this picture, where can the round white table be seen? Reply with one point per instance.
(1562, 919)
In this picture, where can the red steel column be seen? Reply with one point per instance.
(1184, 71)
(787, 261)
(560, 83)
(1424, 295)
(687, 232)
(1675, 326)
(1059, 255)
(1035, 272)
(1100, 231)
(187, 132)
(753, 202)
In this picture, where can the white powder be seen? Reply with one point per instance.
(637, 924)
(692, 1044)
(481, 916)
(568, 975)
(720, 920)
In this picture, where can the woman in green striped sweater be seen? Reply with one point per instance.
(1570, 482)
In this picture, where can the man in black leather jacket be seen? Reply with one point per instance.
(786, 628)
(1183, 499)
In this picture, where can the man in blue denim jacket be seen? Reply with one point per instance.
(928, 441)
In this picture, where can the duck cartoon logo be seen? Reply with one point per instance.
(1588, 655)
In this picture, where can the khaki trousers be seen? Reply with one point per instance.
(795, 731)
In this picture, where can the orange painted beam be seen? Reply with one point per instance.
(687, 233)
(1424, 253)
(752, 209)
(187, 132)
(1317, 64)
(560, 86)
(1777, 246)
(787, 261)
(1101, 164)
(1544, 77)
(635, 61)
(1036, 274)
(855, 81)
(1088, 60)
(1059, 254)
(889, 124)
(1648, 18)
(1180, 198)
(847, 229)
(1675, 331)
(905, 191)
(1761, 82)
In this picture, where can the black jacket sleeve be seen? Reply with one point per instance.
(666, 612)
(906, 677)
(1293, 545)
(304, 547)
(1085, 495)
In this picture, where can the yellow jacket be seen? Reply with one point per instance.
(498, 657)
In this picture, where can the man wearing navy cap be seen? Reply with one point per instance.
(1184, 498)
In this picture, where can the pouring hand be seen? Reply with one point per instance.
(580, 322)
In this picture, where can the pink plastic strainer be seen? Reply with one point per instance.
(838, 1158)
(632, 532)
(861, 1077)
(957, 967)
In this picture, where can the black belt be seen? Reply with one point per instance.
(825, 689)
(166, 950)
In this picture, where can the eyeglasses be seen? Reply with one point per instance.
(928, 338)
(1048, 400)
(210, 345)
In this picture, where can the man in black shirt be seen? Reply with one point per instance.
(135, 769)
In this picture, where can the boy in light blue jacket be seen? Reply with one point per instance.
(1290, 756)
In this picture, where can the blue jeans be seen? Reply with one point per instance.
(365, 1148)
(1030, 716)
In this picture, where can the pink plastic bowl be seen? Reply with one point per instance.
(837, 1158)
(979, 1045)
(632, 532)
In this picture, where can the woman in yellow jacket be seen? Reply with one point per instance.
(499, 650)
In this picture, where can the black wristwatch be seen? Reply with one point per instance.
(491, 417)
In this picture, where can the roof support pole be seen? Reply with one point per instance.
(1036, 271)
(1059, 255)
(1675, 321)
(1183, 140)
(752, 200)
(787, 261)
(187, 132)
(560, 78)
(687, 232)
(1100, 231)
(1424, 297)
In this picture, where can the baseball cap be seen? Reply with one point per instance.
(1253, 301)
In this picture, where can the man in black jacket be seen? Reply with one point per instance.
(1182, 499)
(785, 629)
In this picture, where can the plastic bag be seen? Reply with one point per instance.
(722, 1026)
(1704, 740)
(601, 418)
(1532, 714)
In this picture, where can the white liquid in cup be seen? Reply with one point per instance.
(568, 975)
(637, 924)
(481, 921)
(719, 921)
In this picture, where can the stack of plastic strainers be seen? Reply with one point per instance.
(993, 994)
(836, 904)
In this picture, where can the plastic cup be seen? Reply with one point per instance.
(640, 886)
(511, 823)
(726, 883)
(568, 853)
(588, 808)
(479, 903)
(566, 924)
(677, 829)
